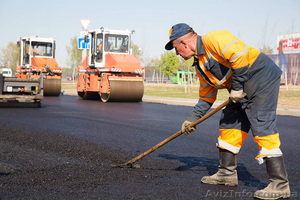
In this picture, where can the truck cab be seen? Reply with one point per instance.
(35, 47)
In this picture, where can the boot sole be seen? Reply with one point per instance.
(269, 198)
(281, 196)
(220, 183)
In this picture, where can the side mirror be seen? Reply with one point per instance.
(85, 38)
(18, 43)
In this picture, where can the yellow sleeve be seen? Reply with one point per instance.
(231, 49)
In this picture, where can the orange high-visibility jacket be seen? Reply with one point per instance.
(222, 61)
(33, 50)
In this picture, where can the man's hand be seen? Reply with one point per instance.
(236, 96)
(186, 129)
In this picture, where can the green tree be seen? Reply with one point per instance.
(74, 55)
(137, 51)
(10, 56)
(67, 72)
(186, 64)
(151, 67)
(169, 63)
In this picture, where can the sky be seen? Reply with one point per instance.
(256, 22)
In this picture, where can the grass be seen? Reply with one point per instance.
(69, 85)
(290, 97)
(179, 92)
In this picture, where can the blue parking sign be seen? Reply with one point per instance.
(82, 44)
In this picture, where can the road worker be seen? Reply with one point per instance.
(224, 62)
(107, 45)
(33, 51)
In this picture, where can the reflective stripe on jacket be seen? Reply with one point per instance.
(222, 61)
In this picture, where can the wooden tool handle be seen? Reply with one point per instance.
(179, 132)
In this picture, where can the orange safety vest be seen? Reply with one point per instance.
(33, 51)
(222, 61)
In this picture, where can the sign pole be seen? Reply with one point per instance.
(84, 52)
(85, 24)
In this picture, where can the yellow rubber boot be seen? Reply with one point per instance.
(279, 186)
(226, 174)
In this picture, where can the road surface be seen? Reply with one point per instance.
(64, 151)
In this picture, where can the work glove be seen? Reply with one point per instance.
(186, 129)
(236, 96)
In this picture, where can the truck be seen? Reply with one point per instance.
(38, 59)
(109, 71)
(15, 92)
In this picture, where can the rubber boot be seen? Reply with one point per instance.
(226, 174)
(279, 186)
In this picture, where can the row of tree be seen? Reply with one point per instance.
(167, 64)
(10, 56)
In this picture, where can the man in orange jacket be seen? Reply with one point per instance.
(33, 50)
(224, 62)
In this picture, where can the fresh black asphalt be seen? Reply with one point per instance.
(64, 149)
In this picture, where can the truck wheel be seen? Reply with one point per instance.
(82, 95)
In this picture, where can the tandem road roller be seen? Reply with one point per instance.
(38, 58)
(110, 71)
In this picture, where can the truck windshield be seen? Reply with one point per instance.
(42, 49)
(116, 43)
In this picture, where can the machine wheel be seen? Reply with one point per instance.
(104, 97)
(124, 90)
(82, 95)
(52, 87)
(88, 95)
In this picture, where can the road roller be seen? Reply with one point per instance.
(110, 72)
(38, 58)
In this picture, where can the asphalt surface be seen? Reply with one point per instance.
(65, 149)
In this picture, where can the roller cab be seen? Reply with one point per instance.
(110, 72)
(38, 58)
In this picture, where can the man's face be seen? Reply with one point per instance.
(182, 49)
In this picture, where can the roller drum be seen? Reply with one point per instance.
(124, 90)
(52, 87)
(82, 95)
